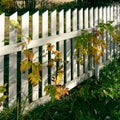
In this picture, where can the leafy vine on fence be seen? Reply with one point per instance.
(92, 43)
(88, 43)
(56, 91)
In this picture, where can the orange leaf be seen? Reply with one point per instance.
(57, 96)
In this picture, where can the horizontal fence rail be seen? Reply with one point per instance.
(60, 29)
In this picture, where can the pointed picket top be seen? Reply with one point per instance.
(96, 16)
(104, 15)
(74, 19)
(91, 17)
(25, 24)
(86, 18)
(100, 15)
(111, 12)
(61, 22)
(108, 13)
(13, 38)
(53, 22)
(35, 25)
(45, 24)
(81, 18)
(68, 19)
(2, 29)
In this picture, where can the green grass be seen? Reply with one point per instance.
(91, 100)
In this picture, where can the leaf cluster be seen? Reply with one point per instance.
(56, 91)
(92, 43)
(3, 90)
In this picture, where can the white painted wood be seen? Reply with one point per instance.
(95, 24)
(45, 53)
(117, 12)
(91, 26)
(91, 18)
(61, 22)
(115, 21)
(35, 35)
(108, 37)
(53, 32)
(61, 31)
(111, 43)
(2, 35)
(68, 46)
(25, 33)
(85, 27)
(12, 63)
(100, 15)
(35, 43)
(81, 18)
(104, 15)
(111, 12)
(104, 34)
(53, 22)
(96, 16)
(80, 28)
(75, 21)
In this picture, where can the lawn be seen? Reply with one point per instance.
(91, 100)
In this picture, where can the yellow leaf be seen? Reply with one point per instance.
(34, 78)
(14, 23)
(23, 67)
(59, 78)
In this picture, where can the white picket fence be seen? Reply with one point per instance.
(63, 28)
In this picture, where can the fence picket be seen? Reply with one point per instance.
(85, 27)
(91, 26)
(107, 36)
(25, 33)
(100, 19)
(95, 24)
(51, 71)
(74, 69)
(12, 64)
(67, 49)
(111, 44)
(44, 52)
(35, 35)
(80, 28)
(61, 31)
(2, 33)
